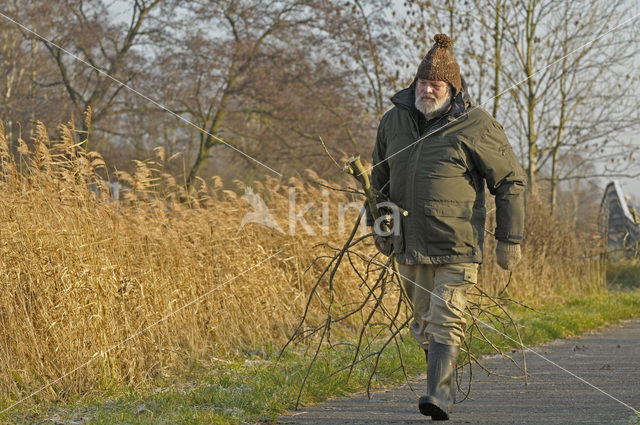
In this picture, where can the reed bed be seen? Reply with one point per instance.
(86, 278)
(559, 260)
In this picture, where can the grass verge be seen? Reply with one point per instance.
(258, 389)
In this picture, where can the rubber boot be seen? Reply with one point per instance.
(441, 381)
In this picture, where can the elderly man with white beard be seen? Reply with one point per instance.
(434, 155)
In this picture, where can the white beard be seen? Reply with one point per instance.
(432, 109)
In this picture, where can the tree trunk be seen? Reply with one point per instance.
(497, 35)
(207, 141)
(532, 166)
(553, 192)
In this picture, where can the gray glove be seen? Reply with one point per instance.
(508, 254)
(384, 244)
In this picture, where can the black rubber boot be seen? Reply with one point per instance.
(441, 381)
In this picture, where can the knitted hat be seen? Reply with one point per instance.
(439, 65)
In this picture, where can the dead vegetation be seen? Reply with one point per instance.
(82, 273)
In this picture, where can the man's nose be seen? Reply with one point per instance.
(426, 89)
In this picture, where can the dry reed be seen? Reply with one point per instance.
(82, 272)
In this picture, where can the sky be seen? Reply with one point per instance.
(631, 187)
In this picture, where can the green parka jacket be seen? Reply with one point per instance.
(440, 180)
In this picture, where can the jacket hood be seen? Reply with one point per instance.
(406, 98)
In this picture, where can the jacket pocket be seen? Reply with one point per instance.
(448, 209)
(449, 230)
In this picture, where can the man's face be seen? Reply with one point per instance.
(432, 97)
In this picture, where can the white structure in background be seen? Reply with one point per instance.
(619, 224)
(115, 188)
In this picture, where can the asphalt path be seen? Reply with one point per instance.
(609, 359)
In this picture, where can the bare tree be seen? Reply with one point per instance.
(357, 37)
(485, 53)
(564, 101)
(594, 107)
(104, 45)
(13, 75)
(22, 62)
(265, 82)
(216, 64)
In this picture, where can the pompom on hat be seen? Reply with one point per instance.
(439, 65)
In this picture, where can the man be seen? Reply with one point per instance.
(440, 181)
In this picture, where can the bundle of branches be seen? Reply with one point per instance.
(382, 314)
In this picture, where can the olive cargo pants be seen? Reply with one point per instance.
(438, 293)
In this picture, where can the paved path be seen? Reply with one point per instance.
(608, 359)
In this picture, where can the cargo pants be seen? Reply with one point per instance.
(438, 293)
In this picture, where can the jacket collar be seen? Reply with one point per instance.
(406, 98)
